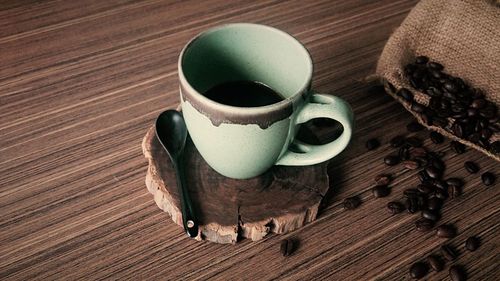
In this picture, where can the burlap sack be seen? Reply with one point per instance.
(463, 35)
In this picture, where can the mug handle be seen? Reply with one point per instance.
(321, 106)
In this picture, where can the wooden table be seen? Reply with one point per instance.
(82, 81)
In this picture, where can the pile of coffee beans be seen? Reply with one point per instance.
(428, 197)
(453, 104)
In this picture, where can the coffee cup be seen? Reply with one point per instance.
(227, 76)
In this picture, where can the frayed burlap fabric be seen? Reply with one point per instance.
(463, 35)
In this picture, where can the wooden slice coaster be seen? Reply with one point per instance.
(281, 200)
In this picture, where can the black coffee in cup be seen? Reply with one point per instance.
(243, 94)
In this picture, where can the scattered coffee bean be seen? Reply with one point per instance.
(287, 247)
(414, 141)
(418, 152)
(414, 127)
(418, 270)
(404, 152)
(351, 203)
(397, 141)
(423, 176)
(436, 137)
(455, 181)
(488, 178)
(424, 225)
(448, 253)
(372, 144)
(433, 172)
(434, 204)
(411, 204)
(382, 179)
(430, 215)
(395, 207)
(446, 231)
(435, 262)
(458, 147)
(405, 94)
(410, 164)
(417, 107)
(495, 147)
(440, 184)
(457, 273)
(454, 191)
(472, 243)
(425, 188)
(381, 191)
(471, 167)
(391, 160)
(411, 192)
(441, 193)
(421, 59)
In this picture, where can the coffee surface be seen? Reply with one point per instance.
(243, 94)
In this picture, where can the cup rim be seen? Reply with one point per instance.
(248, 110)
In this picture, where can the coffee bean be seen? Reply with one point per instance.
(287, 247)
(455, 181)
(458, 129)
(435, 65)
(472, 243)
(471, 167)
(436, 137)
(440, 184)
(422, 202)
(441, 193)
(435, 262)
(448, 252)
(478, 103)
(381, 191)
(397, 141)
(404, 152)
(414, 127)
(421, 60)
(395, 207)
(417, 107)
(411, 192)
(438, 164)
(391, 160)
(411, 204)
(488, 178)
(433, 91)
(430, 215)
(425, 188)
(410, 164)
(418, 270)
(414, 141)
(426, 118)
(457, 273)
(423, 176)
(351, 203)
(418, 152)
(440, 121)
(433, 172)
(372, 144)
(495, 147)
(434, 204)
(451, 86)
(424, 225)
(382, 179)
(405, 94)
(486, 133)
(459, 148)
(446, 231)
(454, 191)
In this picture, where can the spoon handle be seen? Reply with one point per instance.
(188, 218)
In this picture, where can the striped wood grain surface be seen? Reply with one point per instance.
(82, 81)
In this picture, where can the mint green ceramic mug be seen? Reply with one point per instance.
(244, 142)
